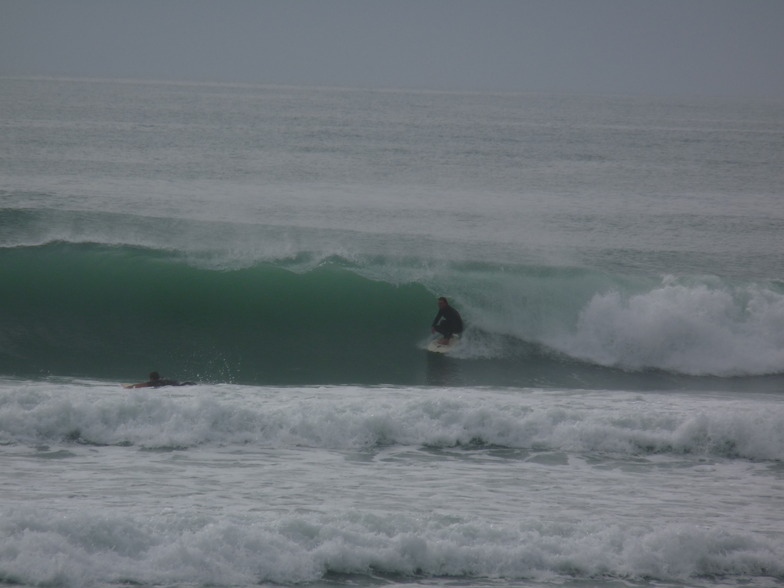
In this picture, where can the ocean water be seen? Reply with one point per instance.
(614, 415)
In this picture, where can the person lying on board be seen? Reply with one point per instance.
(447, 322)
(156, 381)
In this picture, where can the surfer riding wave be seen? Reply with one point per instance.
(447, 322)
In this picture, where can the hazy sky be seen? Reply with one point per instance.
(710, 47)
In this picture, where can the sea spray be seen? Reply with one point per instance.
(691, 326)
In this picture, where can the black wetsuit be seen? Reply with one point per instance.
(450, 322)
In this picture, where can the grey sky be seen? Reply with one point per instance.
(708, 47)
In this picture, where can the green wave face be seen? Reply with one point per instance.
(119, 312)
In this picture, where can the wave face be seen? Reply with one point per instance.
(309, 313)
(117, 311)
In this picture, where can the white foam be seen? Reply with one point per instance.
(348, 418)
(87, 548)
(286, 485)
(696, 329)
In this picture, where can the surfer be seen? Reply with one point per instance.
(156, 381)
(447, 322)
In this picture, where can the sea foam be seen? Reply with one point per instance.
(86, 549)
(359, 418)
(707, 328)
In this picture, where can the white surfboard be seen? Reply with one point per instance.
(437, 347)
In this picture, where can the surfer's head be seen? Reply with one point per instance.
(154, 376)
(442, 301)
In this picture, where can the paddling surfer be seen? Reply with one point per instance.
(156, 381)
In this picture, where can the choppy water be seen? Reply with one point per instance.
(612, 417)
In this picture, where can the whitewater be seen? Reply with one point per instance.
(612, 417)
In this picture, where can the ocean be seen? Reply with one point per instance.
(612, 417)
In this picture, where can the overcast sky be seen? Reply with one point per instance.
(703, 47)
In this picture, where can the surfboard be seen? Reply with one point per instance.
(437, 347)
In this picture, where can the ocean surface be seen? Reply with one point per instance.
(612, 418)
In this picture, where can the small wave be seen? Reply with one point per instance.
(364, 419)
(290, 549)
